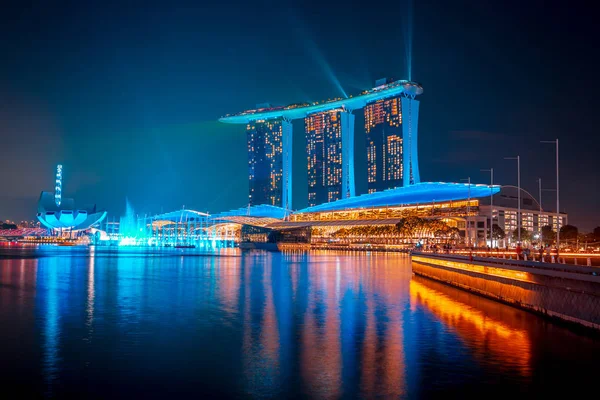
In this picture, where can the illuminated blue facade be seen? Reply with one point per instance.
(58, 186)
(410, 125)
(262, 211)
(287, 132)
(348, 187)
(58, 213)
(420, 193)
(66, 216)
(300, 111)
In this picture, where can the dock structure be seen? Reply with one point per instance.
(566, 292)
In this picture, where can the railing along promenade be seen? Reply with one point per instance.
(566, 292)
(575, 258)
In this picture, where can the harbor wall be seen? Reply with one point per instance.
(566, 292)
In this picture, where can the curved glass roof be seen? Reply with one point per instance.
(296, 111)
(244, 220)
(184, 215)
(262, 210)
(420, 193)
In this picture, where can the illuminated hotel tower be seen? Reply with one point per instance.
(265, 167)
(330, 154)
(392, 115)
(383, 128)
(391, 143)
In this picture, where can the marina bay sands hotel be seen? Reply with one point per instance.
(391, 122)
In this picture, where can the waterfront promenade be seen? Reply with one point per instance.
(567, 292)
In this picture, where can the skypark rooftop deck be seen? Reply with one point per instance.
(297, 111)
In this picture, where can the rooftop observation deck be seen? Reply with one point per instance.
(301, 110)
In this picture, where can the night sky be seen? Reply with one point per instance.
(127, 97)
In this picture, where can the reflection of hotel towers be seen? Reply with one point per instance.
(321, 351)
(261, 337)
(383, 355)
(329, 346)
(329, 148)
(341, 302)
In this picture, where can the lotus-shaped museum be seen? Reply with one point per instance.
(65, 216)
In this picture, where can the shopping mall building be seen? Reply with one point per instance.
(469, 209)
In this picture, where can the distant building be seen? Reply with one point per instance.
(66, 217)
(505, 212)
(265, 167)
(60, 214)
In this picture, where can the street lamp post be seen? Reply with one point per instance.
(467, 230)
(518, 158)
(491, 171)
(540, 214)
(557, 195)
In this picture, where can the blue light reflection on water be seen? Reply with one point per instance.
(265, 325)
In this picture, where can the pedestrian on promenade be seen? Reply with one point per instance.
(519, 251)
(541, 251)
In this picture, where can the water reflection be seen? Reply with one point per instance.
(261, 336)
(51, 272)
(319, 325)
(229, 285)
(385, 371)
(491, 329)
(90, 294)
(320, 353)
(18, 276)
(345, 322)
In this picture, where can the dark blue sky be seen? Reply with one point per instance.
(127, 97)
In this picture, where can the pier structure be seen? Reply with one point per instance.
(568, 293)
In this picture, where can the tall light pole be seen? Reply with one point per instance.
(491, 171)
(518, 158)
(540, 214)
(557, 195)
(467, 230)
(542, 190)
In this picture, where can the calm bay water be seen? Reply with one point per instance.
(74, 322)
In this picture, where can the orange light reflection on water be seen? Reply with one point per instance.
(487, 335)
(320, 358)
(384, 369)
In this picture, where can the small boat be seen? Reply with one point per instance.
(67, 244)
